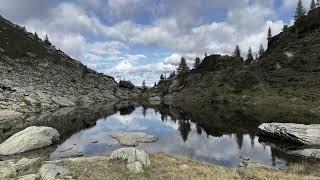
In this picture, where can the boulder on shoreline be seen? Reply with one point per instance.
(136, 159)
(29, 139)
(308, 135)
(133, 138)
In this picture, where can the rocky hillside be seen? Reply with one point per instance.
(34, 76)
(288, 73)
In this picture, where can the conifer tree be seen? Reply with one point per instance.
(250, 56)
(269, 35)
(36, 35)
(237, 52)
(300, 11)
(183, 67)
(312, 5)
(261, 50)
(205, 54)
(144, 87)
(161, 77)
(197, 63)
(46, 40)
(284, 28)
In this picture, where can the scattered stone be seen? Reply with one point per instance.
(7, 115)
(29, 139)
(296, 133)
(133, 138)
(51, 172)
(63, 102)
(11, 169)
(184, 167)
(136, 159)
(29, 177)
(253, 164)
(94, 142)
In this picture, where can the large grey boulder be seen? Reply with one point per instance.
(136, 159)
(62, 102)
(293, 133)
(133, 138)
(29, 139)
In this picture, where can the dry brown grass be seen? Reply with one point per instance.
(173, 167)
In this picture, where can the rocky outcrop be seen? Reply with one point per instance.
(136, 159)
(126, 84)
(35, 77)
(29, 139)
(133, 138)
(293, 133)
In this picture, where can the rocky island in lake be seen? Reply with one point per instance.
(81, 98)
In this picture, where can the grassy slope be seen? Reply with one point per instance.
(172, 167)
(288, 74)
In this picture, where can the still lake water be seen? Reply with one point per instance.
(175, 136)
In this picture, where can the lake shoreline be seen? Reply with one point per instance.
(162, 166)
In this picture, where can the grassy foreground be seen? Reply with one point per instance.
(173, 167)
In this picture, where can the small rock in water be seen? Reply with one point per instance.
(133, 138)
(94, 142)
(66, 150)
(246, 158)
(75, 155)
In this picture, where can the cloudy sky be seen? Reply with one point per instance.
(140, 39)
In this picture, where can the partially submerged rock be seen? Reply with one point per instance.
(289, 132)
(253, 164)
(136, 159)
(309, 153)
(133, 138)
(29, 139)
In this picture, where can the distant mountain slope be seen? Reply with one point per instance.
(34, 76)
(288, 73)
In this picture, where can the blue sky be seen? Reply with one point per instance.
(140, 39)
